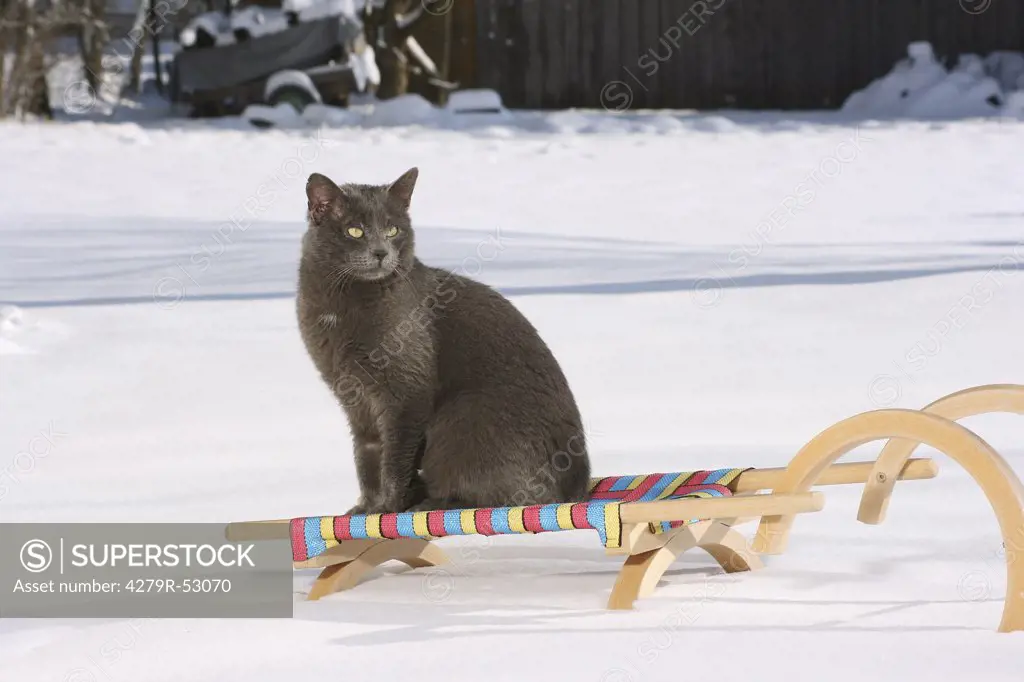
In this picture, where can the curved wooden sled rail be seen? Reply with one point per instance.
(642, 571)
(954, 407)
(346, 567)
(990, 471)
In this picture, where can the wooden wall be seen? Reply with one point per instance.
(709, 54)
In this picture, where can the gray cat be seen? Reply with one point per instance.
(453, 399)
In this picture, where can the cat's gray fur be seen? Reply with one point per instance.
(453, 399)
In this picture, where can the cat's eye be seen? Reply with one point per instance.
(356, 232)
(392, 232)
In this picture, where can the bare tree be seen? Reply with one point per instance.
(138, 36)
(93, 36)
(25, 30)
(5, 12)
(28, 32)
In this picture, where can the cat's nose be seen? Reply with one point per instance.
(379, 254)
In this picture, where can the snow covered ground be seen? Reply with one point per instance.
(718, 290)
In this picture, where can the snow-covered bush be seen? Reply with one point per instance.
(921, 86)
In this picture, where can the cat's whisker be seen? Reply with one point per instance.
(331, 278)
(405, 276)
(337, 278)
(345, 278)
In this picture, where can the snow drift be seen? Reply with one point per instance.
(921, 86)
(464, 109)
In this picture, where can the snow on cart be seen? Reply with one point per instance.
(268, 62)
(295, 55)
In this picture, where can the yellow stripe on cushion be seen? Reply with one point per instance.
(515, 520)
(327, 528)
(373, 526)
(730, 477)
(468, 520)
(612, 525)
(563, 515)
(635, 483)
(419, 524)
(673, 485)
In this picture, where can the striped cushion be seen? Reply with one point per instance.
(312, 536)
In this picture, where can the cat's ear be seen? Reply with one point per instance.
(401, 189)
(321, 192)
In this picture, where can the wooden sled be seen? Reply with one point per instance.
(641, 528)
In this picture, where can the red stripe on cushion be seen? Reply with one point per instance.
(482, 518)
(298, 533)
(389, 525)
(604, 484)
(435, 523)
(698, 477)
(644, 486)
(531, 519)
(579, 515)
(609, 495)
(342, 528)
(684, 490)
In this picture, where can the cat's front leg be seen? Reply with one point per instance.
(367, 455)
(402, 440)
(366, 446)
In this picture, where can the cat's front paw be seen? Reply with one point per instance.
(383, 507)
(362, 505)
(429, 504)
(386, 504)
(358, 508)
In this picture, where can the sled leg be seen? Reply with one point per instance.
(414, 552)
(642, 571)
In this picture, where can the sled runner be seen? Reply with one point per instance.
(651, 519)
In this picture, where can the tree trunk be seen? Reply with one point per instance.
(22, 18)
(394, 73)
(155, 38)
(388, 41)
(138, 37)
(35, 93)
(92, 38)
(5, 16)
(38, 96)
(28, 28)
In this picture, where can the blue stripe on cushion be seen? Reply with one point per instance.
(595, 516)
(657, 488)
(357, 526)
(403, 522)
(621, 484)
(549, 517)
(453, 522)
(499, 520)
(315, 545)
